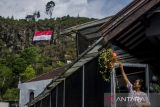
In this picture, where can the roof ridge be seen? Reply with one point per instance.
(81, 26)
(124, 10)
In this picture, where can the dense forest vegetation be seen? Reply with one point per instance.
(21, 59)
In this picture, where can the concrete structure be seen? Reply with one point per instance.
(9, 104)
(4, 104)
(31, 89)
(26, 88)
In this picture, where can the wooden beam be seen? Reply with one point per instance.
(132, 34)
(122, 17)
(82, 36)
(136, 38)
(85, 25)
(93, 35)
(129, 30)
(89, 30)
(127, 18)
(137, 43)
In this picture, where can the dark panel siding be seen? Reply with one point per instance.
(60, 95)
(38, 104)
(53, 98)
(46, 102)
(82, 44)
(74, 90)
(93, 85)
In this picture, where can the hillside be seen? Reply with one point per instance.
(21, 59)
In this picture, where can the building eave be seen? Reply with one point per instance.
(85, 25)
(126, 17)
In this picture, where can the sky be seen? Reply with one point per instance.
(84, 8)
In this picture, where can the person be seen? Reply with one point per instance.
(138, 98)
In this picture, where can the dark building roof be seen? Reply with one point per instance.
(131, 28)
(126, 17)
(89, 30)
(50, 75)
(86, 33)
(84, 26)
(136, 30)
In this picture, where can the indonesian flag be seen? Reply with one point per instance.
(42, 35)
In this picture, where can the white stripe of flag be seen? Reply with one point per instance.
(42, 35)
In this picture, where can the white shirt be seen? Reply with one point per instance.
(136, 97)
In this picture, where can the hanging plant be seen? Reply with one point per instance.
(106, 59)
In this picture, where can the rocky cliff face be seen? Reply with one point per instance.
(15, 35)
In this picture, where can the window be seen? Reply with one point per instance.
(31, 96)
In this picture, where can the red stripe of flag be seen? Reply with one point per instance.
(39, 33)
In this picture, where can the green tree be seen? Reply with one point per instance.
(5, 78)
(30, 54)
(49, 8)
(11, 94)
(5, 74)
(29, 73)
(19, 65)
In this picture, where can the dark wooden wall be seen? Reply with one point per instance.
(93, 85)
(93, 89)
(74, 90)
(82, 43)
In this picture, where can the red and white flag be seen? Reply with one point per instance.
(42, 35)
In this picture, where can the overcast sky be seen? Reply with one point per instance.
(91, 8)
